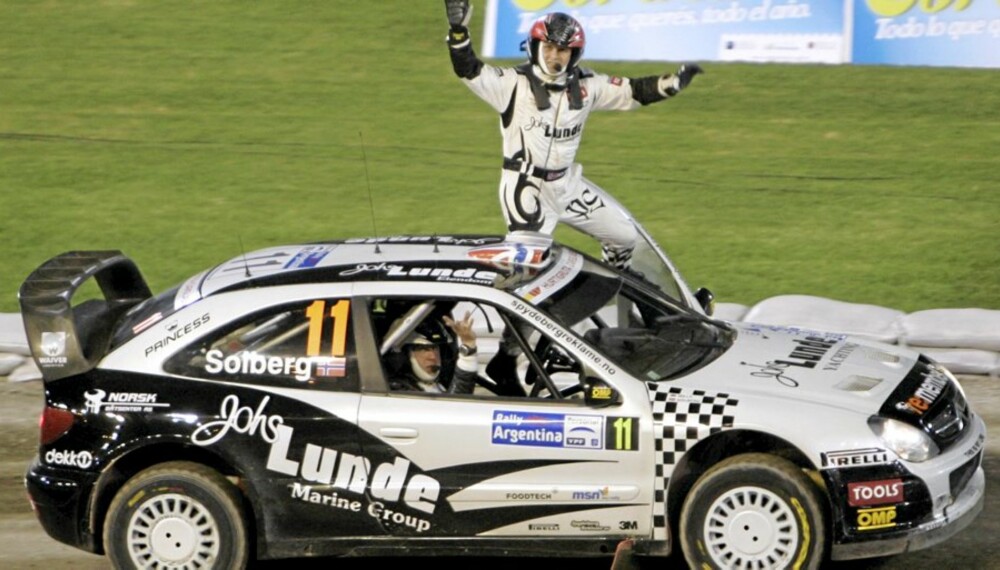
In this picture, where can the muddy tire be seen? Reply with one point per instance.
(177, 515)
(754, 511)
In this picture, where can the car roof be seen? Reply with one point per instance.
(479, 260)
(473, 259)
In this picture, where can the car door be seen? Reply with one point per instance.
(514, 466)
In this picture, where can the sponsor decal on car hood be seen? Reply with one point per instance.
(833, 368)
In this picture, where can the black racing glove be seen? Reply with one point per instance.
(670, 85)
(459, 14)
(686, 73)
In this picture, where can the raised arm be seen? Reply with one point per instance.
(463, 58)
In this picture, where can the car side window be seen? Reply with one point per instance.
(512, 359)
(301, 345)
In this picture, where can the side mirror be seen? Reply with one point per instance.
(706, 299)
(598, 394)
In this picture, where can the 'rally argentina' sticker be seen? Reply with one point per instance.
(547, 430)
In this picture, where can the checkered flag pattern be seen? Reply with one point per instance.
(681, 418)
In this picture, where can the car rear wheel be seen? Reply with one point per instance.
(177, 515)
(753, 511)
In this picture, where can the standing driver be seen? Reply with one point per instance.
(423, 369)
(543, 106)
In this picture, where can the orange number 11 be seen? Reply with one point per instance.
(316, 312)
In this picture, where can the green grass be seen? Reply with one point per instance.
(175, 130)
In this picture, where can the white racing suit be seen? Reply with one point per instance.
(541, 184)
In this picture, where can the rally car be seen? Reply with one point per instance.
(247, 413)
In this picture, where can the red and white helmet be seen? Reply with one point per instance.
(560, 29)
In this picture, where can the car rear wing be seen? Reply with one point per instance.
(65, 339)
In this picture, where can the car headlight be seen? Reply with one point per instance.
(909, 442)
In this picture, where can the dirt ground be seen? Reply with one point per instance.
(23, 543)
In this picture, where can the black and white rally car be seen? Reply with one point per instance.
(247, 413)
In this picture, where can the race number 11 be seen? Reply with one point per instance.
(622, 434)
(316, 312)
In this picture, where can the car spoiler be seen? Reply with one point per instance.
(65, 339)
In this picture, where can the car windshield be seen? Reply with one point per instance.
(649, 261)
(644, 329)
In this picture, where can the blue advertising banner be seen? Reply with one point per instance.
(955, 33)
(682, 30)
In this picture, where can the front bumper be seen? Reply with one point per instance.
(59, 498)
(953, 519)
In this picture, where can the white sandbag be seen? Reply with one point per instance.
(965, 360)
(828, 315)
(9, 362)
(952, 328)
(26, 372)
(12, 337)
(730, 311)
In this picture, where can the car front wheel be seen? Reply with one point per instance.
(177, 515)
(753, 511)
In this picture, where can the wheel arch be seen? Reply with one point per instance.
(131, 463)
(725, 444)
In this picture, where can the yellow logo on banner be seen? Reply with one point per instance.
(891, 8)
(532, 5)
